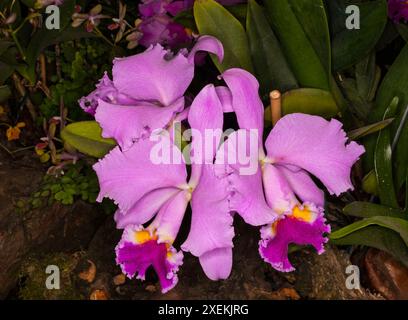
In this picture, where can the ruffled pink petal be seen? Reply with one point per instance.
(303, 186)
(239, 164)
(276, 238)
(145, 208)
(211, 222)
(127, 176)
(208, 44)
(153, 76)
(135, 257)
(248, 199)
(105, 91)
(245, 99)
(127, 124)
(315, 145)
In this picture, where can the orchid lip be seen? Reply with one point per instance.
(267, 160)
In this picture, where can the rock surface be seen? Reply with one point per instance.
(386, 275)
(39, 231)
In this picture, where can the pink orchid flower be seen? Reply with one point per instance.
(298, 145)
(147, 91)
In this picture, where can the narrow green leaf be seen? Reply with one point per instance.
(395, 84)
(368, 210)
(213, 19)
(370, 129)
(271, 67)
(383, 162)
(86, 137)
(302, 29)
(377, 237)
(396, 224)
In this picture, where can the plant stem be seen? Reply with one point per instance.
(19, 47)
(99, 33)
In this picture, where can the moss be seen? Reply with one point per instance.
(33, 278)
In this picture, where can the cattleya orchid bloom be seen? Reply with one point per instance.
(398, 10)
(142, 188)
(147, 91)
(297, 146)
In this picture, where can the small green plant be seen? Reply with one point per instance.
(78, 182)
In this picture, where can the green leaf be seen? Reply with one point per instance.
(311, 101)
(213, 19)
(239, 11)
(369, 183)
(302, 29)
(395, 84)
(368, 210)
(402, 30)
(271, 67)
(396, 224)
(4, 45)
(377, 237)
(86, 137)
(369, 129)
(351, 46)
(383, 162)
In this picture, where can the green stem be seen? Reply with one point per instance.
(99, 33)
(20, 49)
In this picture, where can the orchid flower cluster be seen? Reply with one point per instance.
(144, 99)
(158, 25)
(398, 10)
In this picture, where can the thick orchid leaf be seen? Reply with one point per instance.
(368, 210)
(368, 76)
(213, 19)
(369, 183)
(351, 46)
(396, 224)
(309, 100)
(302, 28)
(395, 84)
(383, 162)
(377, 237)
(86, 137)
(369, 129)
(271, 68)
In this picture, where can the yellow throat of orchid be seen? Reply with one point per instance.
(304, 214)
(143, 236)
